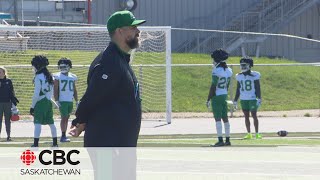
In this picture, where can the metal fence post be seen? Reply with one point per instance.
(242, 23)
(231, 92)
(198, 42)
(260, 22)
(140, 79)
(281, 10)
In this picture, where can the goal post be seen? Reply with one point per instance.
(151, 61)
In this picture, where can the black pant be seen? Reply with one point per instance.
(5, 109)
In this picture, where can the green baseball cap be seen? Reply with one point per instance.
(121, 19)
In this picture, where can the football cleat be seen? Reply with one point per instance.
(64, 139)
(248, 136)
(218, 144)
(258, 136)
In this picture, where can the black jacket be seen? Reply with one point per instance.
(111, 105)
(7, 92)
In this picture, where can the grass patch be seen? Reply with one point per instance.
(200, 140)
(283, 87)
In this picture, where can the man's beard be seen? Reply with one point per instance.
(133, 43)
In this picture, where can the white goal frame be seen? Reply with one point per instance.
(166, 29)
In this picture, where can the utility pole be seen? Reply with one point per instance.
(62, 9)
(89, 11)
(15, 9)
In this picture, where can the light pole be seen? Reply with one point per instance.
(38, 18)
(62, 9)
(22, 15)
(89, 11)
(38, 8)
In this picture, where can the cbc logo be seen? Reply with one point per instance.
(28, 157)
(59, 157)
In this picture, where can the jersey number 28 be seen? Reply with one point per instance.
(223, 82)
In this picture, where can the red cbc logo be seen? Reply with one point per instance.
(28, 157)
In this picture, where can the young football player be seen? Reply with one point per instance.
(64, 93)
(41, 107)
(248, 88)
(218, 93)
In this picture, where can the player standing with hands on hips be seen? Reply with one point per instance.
(64, 92)
(248, 88)
(110, 109)
(218, 93)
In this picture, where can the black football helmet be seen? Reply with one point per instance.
(39, 62)
(219, 56)
(245, 64)
(64, 65)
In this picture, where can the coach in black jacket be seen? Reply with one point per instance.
(110, 110)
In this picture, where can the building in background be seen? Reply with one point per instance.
(296, 17)
(73, 11)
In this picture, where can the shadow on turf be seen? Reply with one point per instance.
(161, 125)
(241, 146)
(197, 145)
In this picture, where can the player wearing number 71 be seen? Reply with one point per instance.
(64, 93)
(248, 88)
(218, 93)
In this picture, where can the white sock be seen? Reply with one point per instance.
(53, 130)
(37, 130)
(227, 129)
(219, 128)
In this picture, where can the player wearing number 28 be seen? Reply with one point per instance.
(218, 93)
(64, 93)
(248, 88)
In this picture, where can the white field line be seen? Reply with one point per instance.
(228, 173)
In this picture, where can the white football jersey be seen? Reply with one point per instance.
(223, 79)
(247, 89)
(42, 89)
(66, 85)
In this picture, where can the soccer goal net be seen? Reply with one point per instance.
(151, 61)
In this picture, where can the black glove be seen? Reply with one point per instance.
(32, 111)
(15, 101)
(75, 121)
